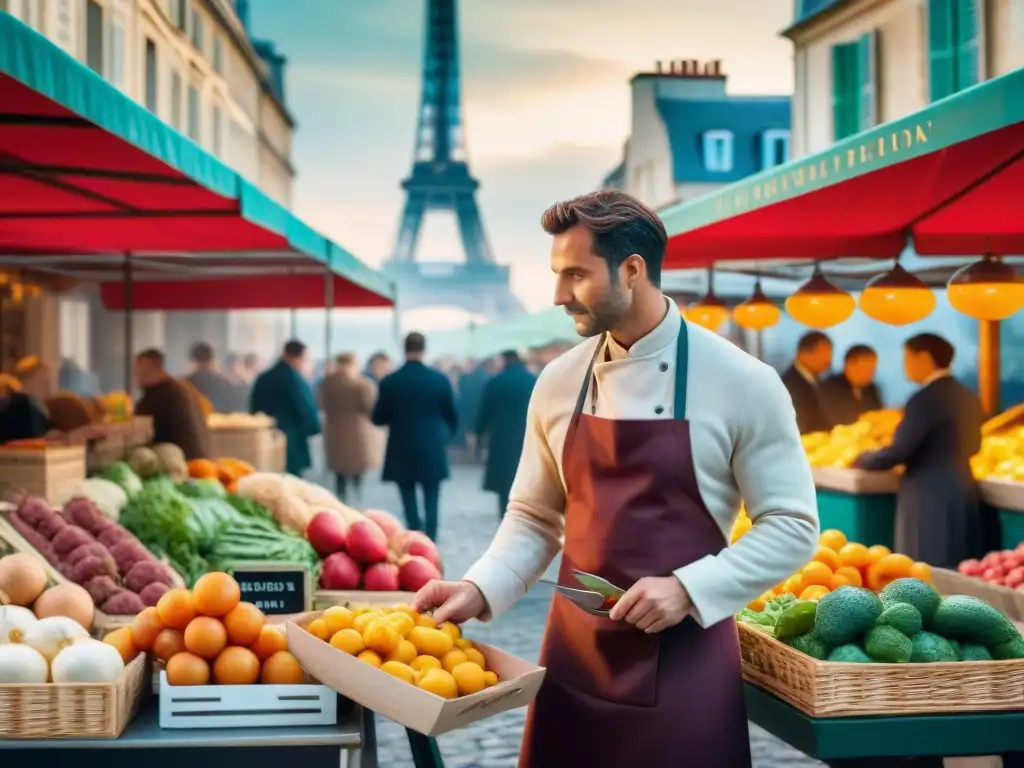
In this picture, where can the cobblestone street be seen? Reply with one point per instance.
(468, 520)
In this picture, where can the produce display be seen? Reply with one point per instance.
(227, 472)
(240, 421)
(840, 563)
(116, 406)
(26, 596)
(1001, 457)
(907, 622)
(161, 459)
(411, 647)
(841, 446)
(95, 551)
(1004, 568)
(206, 635)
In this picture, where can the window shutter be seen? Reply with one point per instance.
(845, 87)
(941, 49)
(867, 81)
(969, 29)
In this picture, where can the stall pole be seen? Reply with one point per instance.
(328, 315)
(396, 317)
(989, 365)
(293, 323)
(129, 331)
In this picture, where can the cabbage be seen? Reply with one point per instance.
(121, 474)
(109, 497)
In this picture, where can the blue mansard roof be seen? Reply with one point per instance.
(805, 10)
(746, 117)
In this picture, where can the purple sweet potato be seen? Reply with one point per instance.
(123, 603)
(50, 526)
(127, 553)
(70, 539)
(153, 592)
(33, 509)
(89, 567)
(144, 573)
(113, 535)
(101, 588)
(92, 548)
(85, 514)
(38, 542)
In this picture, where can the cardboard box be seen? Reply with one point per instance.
(406, 704)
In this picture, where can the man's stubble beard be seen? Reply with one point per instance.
(604, 316)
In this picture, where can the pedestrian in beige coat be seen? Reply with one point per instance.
(351, 441)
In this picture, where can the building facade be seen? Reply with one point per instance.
(859, 63)
(689, 136)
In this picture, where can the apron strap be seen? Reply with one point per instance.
(682, 369)
(581, 400)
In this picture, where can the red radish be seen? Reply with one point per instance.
(1014, 578)
(993, 575)
(340, 572)
(326, 532)
(414, 572)
(387, 522)
(970, 567)
(381, 577)
(366, 542)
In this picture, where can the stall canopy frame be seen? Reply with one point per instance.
(944, 176)
(91, 176)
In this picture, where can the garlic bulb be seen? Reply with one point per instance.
(87, 661)
(22, 664)
(14, 623)
(51, 635)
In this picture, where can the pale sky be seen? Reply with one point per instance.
(545, 102)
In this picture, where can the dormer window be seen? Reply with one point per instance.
(774, 148)
(718, 151)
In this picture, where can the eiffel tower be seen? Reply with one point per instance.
(441, 181)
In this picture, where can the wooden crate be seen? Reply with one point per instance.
(263, 447)
(325, 598)
(73, 710)
(47, 472)
(829, 689)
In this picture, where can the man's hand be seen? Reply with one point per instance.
(653, 604)
(455, 601)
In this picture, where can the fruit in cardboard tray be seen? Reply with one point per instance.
(389, 636)
(417, 544)
(366, 542)
(340, 572)
(22, 579)
(326, 532)
(381, 577)
(387, 522)
(414, 572)
(1002, 568)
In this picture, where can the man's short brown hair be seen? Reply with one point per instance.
(621, 226)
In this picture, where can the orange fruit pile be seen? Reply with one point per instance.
(840, 563)
(413, 648)
(207, 634)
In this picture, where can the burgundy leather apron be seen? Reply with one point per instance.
(614, 695)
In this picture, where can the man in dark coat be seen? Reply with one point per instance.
(417, 405)
(283, 393)
(803, 380)
(177, 416)
(938, 519)
(502, 421)
(845, 396)
(225, 394)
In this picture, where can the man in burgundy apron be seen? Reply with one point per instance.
(615, 695)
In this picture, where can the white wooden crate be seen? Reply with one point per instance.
(245, 706)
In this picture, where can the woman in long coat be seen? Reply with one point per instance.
(351, 441)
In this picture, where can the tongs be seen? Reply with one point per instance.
(598, 597)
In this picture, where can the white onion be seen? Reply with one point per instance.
(51, 635)
(22, 664)
(87, 661)
(14, 623)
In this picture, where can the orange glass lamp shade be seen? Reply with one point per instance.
(710, 312)
(758, 312)
(897, 298)
(819, 304)
(986, 290)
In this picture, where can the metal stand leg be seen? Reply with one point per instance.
(425, 752)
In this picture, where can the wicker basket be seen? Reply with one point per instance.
(73, 710)
(1007, 601)
(46, 473)
(855, 481)
(825, 689)
(262, 447)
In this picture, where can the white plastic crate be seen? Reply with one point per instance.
(245, 706)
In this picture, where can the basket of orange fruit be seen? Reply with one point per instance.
(221, 664)
(403, 665)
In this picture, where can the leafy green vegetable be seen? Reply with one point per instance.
(121, 475)
(769, 614)
(203, 488)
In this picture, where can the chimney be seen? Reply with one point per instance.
(713, 68)
(659, 66)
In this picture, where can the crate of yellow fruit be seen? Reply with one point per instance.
(404, 666)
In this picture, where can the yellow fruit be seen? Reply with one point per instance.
(402, 622)
(833, 539)
(337, 618)
(381, 637)
(363, 621)
(794, 585)
(371, 657)
(462, 643)
(318, 628)
(758, 603)
(490, 678)
(432, 642)
(423, 663)
(472, 654)
(426, 621)
(469, 678)
(349, 641)
(403, 672)
(452, 630)
(404, 652)
(440, 683)
(403, 608)
(453, 658)
(359, 610)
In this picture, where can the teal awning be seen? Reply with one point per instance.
(949, 177)
(86, 170)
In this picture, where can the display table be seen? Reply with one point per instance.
(351, 743)
(859, 503)
(852, 740)
(1007, 499)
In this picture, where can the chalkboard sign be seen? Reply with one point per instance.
(277, 589)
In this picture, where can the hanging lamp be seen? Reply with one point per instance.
(758, 312)
(897, 297)
(710, 312)
(819, 304)
(986, 290)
